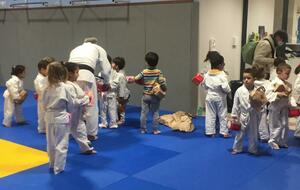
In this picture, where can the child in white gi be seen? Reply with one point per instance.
(216, 84)
(58, 104)
(123, 94)
(278, 95)
(246, 114)
(14, 96)
(260, 81)
(108, 102)
(78, 127)
(40, 83)
(296, 96)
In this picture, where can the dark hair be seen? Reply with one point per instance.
(120, 62)
(43, 63)
(282, 66)
(297, 70)
(152, 59)
(282, 34)
(258, 71)
(109, 58)
(18, 69)
(71, 67)
(250, 71)
(215, 59)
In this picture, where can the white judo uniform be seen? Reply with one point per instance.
(40, 84)
(278, 113)
(78, 128)
(263, 128)
(216, 84)
(58, 104)
(89, 55)
(123, 91)
(296, 96)
(14, 86)
(249, 119)
(108, 102)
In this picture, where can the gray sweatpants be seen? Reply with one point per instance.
(150, 103)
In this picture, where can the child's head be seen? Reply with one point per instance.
(297, 70)
(19, 71)
(118, 63)
(57, 72)
(283, 71)
(152, 59)
(73, 71)
(248, 78)
(259, 71)
(216, 60)
(43, 64)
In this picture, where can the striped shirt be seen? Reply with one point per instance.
(150, 77)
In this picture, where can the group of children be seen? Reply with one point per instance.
(61, 102)
(260, 106)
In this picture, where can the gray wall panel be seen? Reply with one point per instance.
(168, 32)
(27, 36)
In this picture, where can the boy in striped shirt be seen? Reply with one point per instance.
(150, 78)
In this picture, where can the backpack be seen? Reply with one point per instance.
(248, 51)
(249, 48)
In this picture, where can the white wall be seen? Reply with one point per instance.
(260, 13)
(221, 20)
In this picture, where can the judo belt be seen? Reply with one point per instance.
(86, 67)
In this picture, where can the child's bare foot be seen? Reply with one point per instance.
(226, 136)
(156, 132)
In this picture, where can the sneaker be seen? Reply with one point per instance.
(143, 131)
(235, 152)
(273, 145)
(22, 123)
(121, 122)
(113, 126)
(92, 137)
(210, 135)
(156, 132)
(88, 152)
(102, 125)
(284, 146)
(6, 126)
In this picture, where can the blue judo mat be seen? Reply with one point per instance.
(127, 159)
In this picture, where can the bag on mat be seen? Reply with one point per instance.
(180, 120)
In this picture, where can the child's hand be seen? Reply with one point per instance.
(281, 94)
(130, 79)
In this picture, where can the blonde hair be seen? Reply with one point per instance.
(56, 73)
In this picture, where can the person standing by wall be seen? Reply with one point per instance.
(269, 52)
(87, 56)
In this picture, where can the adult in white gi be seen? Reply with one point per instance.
(216, 84)
(88, 55)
